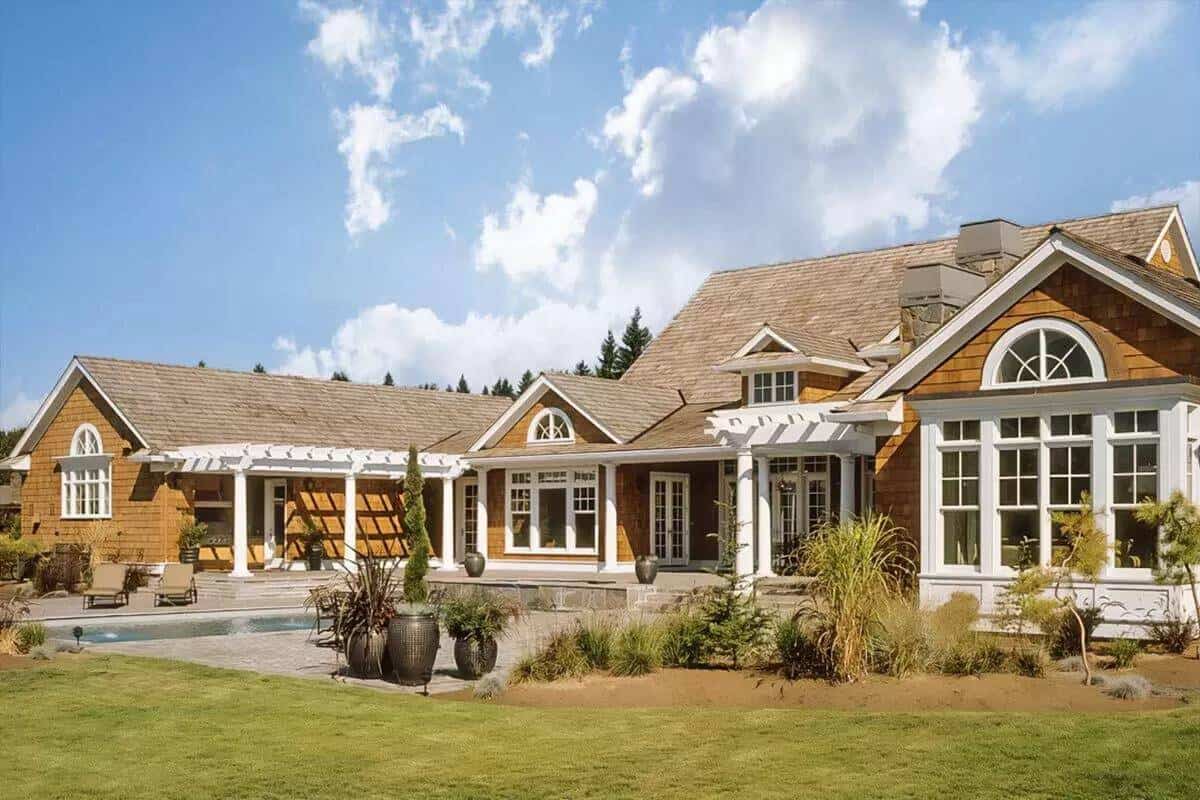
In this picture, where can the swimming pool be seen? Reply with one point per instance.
(110, 631)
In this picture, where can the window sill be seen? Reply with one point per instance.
(78, 517)
(548, 551)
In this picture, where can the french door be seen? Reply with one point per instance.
(670, 518)
(467, 535)
(274, 522)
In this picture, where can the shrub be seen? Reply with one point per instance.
(904, 643)
(191, 533)
(1029, 662)
(1063, 630)
(796, 649)
(416, 590)
(66, 567)
(12, 610)
(1128, 687)
(489, 687)
(14, 553)
(974, 655)
(684, 639)
(477, 614)
(29, 636)
(558, 657)
(1173, 633)
(637, 650)
(41, 653)
(1124, 652)
(594, 638)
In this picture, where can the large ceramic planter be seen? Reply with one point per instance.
(474, 562)
(366, 654)
(474, 657)
(413, 644)
(314, 555)
(189, 555)
(646, 569)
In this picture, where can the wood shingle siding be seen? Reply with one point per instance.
(585, 431)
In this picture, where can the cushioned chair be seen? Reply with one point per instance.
(108, 583)
(177, 585)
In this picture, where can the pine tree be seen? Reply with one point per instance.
(339, 375)
(526, 381)
(486, 390)
(201, 363)
(462, 385)
(634, 342)
(582, 368)
(606, 367)
(260, 369)
(388, 380)
(502, 388)
(449, 388)
(415, 588)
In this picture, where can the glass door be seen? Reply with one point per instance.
(468, 511)
(274, 522)
(669, 518)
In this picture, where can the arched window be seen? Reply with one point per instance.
(86, 477)
(1042, 352)
(551, 425)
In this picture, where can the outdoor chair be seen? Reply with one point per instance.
(328, 604)
(108, 583)
(177, 585)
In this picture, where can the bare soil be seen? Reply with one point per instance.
(16, 662)
(1058, 691)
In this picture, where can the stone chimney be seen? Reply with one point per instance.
(930, 294)
(989, 247)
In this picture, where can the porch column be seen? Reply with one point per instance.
(847, 500)
(481, 520)
(763, 522)
(743, 561)
(240, 570)
(447, 552)
(350, 523)
(610, 517)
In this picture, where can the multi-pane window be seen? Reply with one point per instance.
(1018, 503)
(584, 500)
(960, 507)
(1071, 425)
(774, 387)
(1070, 479)
(520, 507)
(1043, 356)
(1135, 479)
(1019, 427)
(553, 510)
(551, 425)
(86, 477)
(1135, 422)
(961, 430)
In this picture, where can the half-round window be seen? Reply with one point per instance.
(1041, 352)
(551, 425)
(86, 441)
(86, 477)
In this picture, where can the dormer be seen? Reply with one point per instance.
(781, 366)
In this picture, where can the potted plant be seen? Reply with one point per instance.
(366, 606)
(413, 636)
(314, 545)
(475, 619)
(474, 562)
(646, 568)
(191, 536)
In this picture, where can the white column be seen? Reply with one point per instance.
(764, 518)
(846, 509)
(989, 530)
(744, 560)
(481, 517)
(240, 570)
(350, 522)
(610, 517)
(447, 552)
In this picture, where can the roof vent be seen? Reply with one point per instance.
(989, 247)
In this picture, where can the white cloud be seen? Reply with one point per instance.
(354, 38)
(1186, 195)
(914, 7)
(448, 229)
(371, 135)
(1076, 57)
(18, 413)
(539, 237)
(465, 27)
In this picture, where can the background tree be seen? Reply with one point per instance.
(606, 367)
(503, 388)
(1178, 521)
(486, 390)
(8, 440)
(415, 588)
(388, 380)
(201, 363)
(463, 388)
(526, 381)
(634, 342)
(582, 368)
(260, 369)
(339, 375)
(449, 388)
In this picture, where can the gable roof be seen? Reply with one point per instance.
(168, 407)
(851, 296)
(801, 348)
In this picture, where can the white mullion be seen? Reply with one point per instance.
(1102, 480)
(989, 531)
(570, 515)
(1044, 527)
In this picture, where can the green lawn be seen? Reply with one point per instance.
(130, 728)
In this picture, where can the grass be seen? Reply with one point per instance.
(111, 726)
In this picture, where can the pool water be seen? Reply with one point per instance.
(111, 631)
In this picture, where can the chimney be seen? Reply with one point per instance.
(989, 247)
(930, 294)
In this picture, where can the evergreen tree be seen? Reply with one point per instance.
(582, 368)
(415, 588)
(388, 380)
(9, 439)
(462, 385)
(449, 388)
(502, 388)
(260, 369)
(201, 363)
(486, 390)
(634, 342)
(606, 367)
(339, 375)
(526, 381)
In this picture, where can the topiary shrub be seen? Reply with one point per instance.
(637, 650)
(415, 588)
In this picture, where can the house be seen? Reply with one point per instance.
(967, 386)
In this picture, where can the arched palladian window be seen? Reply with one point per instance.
(86, 477)
(551, 425)
(1042, 352)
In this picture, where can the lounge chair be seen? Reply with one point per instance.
(177, 585)
(108, 583)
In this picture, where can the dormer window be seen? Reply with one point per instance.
(774, 387)
(551, 426)
(86, 477)
(1042, 352)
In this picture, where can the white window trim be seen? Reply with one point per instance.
(561, 416)
(535, 536)
(73, 476)
(956, 446)
(773, 387)
(995, 357)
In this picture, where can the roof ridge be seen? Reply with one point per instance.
(612, 381)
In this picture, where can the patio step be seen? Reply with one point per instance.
(293, 586)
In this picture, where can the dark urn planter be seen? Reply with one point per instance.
(189, 555)
(474, 562)
(366, 654)
(413, 641)
(314, 554)
(475, 657)
(646, 569)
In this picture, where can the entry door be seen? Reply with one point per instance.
(274, 521)
(466, 538)
(787, 504)
(670, 517)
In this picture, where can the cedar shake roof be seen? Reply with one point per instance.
(624, 409)
(1160, 278)
(814, 343)
(843, 297)
(173, 406)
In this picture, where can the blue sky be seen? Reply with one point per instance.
(484, 187)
